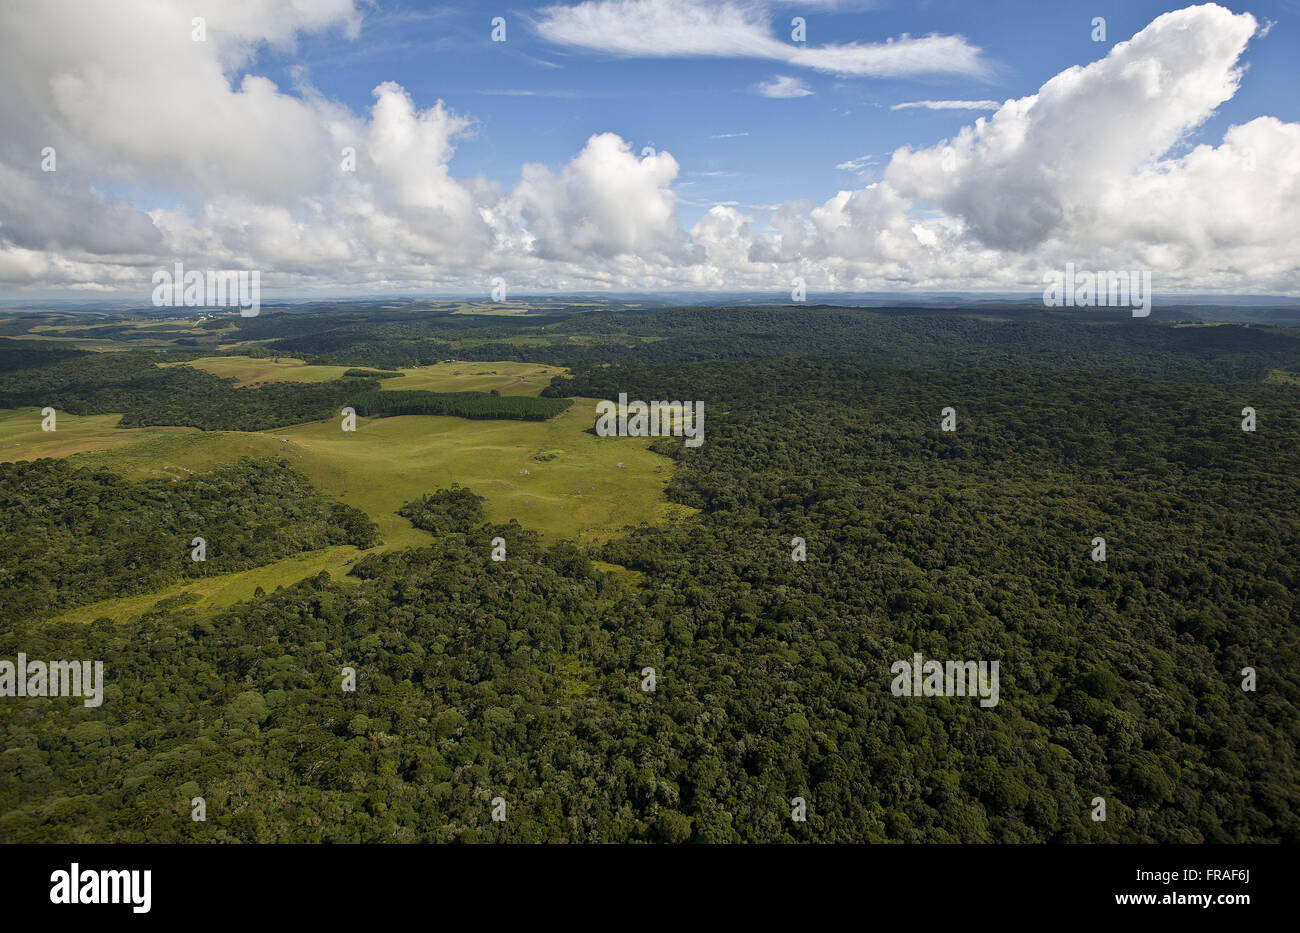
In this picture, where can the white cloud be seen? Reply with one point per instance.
(947, 105)
(905, 55)
(1042, 181)
(1046, 165)
(606, 202)
(860, 164)
(1092, 168)
(729, 29)
(783, 86)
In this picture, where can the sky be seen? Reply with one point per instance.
(350, 148)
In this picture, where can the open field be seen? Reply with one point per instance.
(225, 590)
(552, 476)
(118, 335)
(506, 378)
(94, 344)
(185, 322)
(140, 453)
(461, 376)
(585, 488)
(1280, 377)
(247, 371)
(494, 308)
(555, 477)
(21, 437)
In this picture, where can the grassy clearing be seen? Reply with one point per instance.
(226, 590)
(21, 437)
(507, 378)
(160, 452)
(494, 308)
(626, 575)
(551, 476)
(248, 371)
(167, 332)
(95, 344)
(555, 477)
(174, 323)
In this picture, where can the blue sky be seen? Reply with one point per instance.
(649, 145)
(536, 101)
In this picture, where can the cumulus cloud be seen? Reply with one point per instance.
(1069, 164)
(170, 149)
(604, 203)
(1081, 171)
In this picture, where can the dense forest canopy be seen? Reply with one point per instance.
(463, 404)
(148, 394)
(523, 678)
(877, 337)
(73, 536)
(151, 394)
